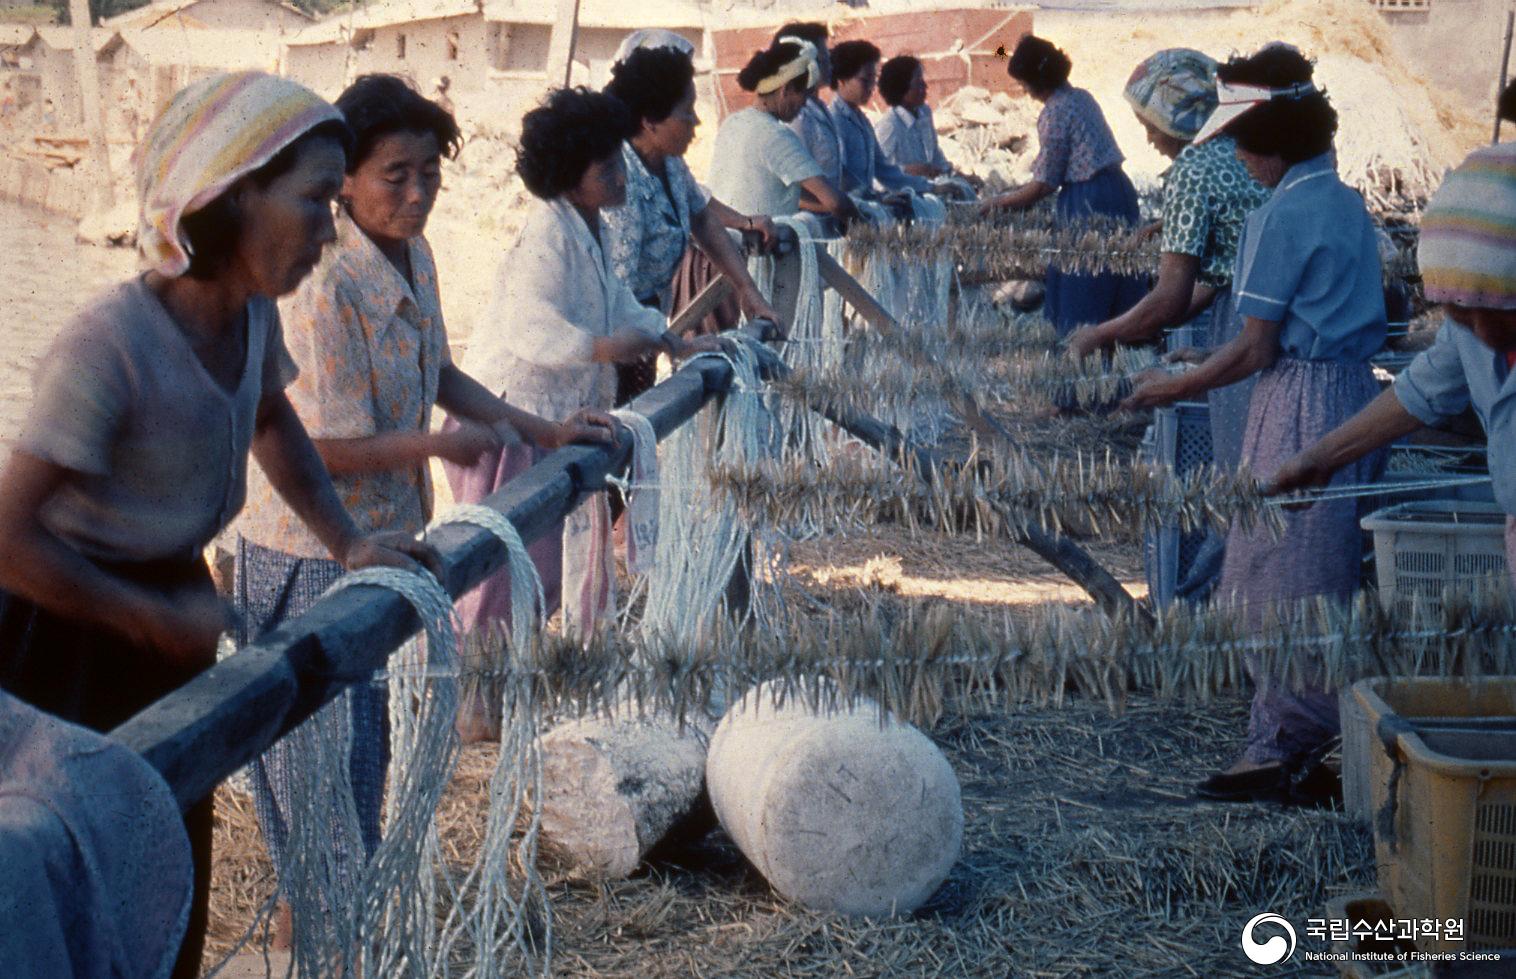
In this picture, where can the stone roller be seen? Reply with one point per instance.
(838, 811)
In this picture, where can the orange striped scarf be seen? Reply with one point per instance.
(212, 134)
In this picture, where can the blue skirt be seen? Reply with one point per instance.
(1075, 300)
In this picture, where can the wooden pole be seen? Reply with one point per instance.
(99, 175)
(1505, 68)
(850, 289)
(560, 52)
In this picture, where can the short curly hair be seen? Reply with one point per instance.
(851, 57)
(1039, 64)
(377, 105)
(572, 129)
(651, 83)
(895, 78)
(1294, 129)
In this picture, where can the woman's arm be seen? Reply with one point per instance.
(712, 238)
(1165, 305)
(463, 397)
(1249, 352)
(831, 200)
(42, 568)
(1381, 422)
(1017, 200)
(758, 224)
(295, 470)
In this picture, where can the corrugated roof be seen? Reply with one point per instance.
(208, 48)
(15, 35)
(62, 38)
(384, 14)
(163, 9)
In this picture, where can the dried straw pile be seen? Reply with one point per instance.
(1084, 856)
(1399, 133)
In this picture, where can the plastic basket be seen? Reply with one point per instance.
(1445, 824)
(1179, 438)
(1425, 547)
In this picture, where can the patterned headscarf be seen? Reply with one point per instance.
(212, 134)
(1467, 252)
(1174, 91)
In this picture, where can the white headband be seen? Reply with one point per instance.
(1233, 101)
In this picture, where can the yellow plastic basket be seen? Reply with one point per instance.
(1442, 788)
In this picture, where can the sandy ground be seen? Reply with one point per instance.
(45, 279)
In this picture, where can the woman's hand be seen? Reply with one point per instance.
(1145, 232)
(586, 425)
(763, 232)
(185, 628)
(1085, 341)
(391, 549)
(755, 307)
(1305, 470)
(993, 204)
(1186, 355)
(466, 444)
(682, 349)
(1153, 389)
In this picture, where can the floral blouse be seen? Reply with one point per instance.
(1075, 142)
(648, 235)
(1207, 197)
(371, 351)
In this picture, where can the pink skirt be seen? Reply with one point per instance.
(489, 604)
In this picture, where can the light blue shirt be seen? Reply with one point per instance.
(1309, 260)
(863, 162)
(910, 140)
(818, 131)
(1458, 371)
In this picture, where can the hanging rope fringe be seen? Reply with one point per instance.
(379, 919)
(925, 659)
(996, 250)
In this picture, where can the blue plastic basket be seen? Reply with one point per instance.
(1180, 438)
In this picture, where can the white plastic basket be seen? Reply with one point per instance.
(1424, 547)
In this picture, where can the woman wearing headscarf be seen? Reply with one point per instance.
(366, 331)
(759, 165)
(146, 408)
(1207, 196)
(559, 321)
(1309, 288)
(666, 210)
(1467, 257)
(1078, 159)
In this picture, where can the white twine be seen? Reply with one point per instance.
(380, 920)
(488, 920)
(691, 570)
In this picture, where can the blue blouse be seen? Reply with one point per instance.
(1459, 371)
(1309, 260)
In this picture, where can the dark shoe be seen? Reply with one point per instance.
(1268, 784)
(1315, 786)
